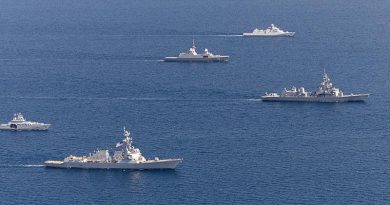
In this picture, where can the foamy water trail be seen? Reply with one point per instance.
(22, 165)
(31, 165)
(184, 35)
(63, 98)
(20, 59)
(154, 60)
(254, 99)
(229, 35)
(134, 99)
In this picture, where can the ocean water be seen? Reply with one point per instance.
(91, 67)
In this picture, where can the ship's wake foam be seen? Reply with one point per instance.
(228, 35)
(21, 165)
(147, 60)
(254, 99)
(135, 99)
(182, 35)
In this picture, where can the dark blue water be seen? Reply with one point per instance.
(91, 67)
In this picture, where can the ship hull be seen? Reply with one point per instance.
(345, 98)
(148, 165)
(211, 59)
(288, 34)
(31, 128)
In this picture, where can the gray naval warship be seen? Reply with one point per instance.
(18, 123)
(127, 157)
(270, 31)
(326, 92)
(193, 56)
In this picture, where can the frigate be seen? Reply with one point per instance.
(193, 56)
(125, 157)
(19, 123)
(326, 92)
(270, 31)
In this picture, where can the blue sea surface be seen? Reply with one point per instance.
(91, 67)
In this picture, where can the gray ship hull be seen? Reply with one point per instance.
(345, 98)
(148, 165)
(210, 59)
(44, 127)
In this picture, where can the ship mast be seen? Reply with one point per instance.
(193, 44)
(326, 84)
(193, 49)
(128, 141)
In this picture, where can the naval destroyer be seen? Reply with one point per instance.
(125, 157)
(19, 123)
(193, 56)
(270, 31)
(326, 92)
